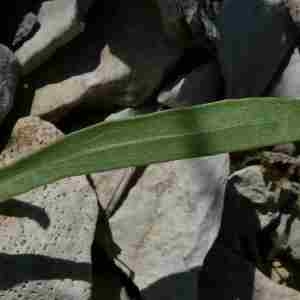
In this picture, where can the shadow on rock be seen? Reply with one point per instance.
(20, 209)
(16, 269)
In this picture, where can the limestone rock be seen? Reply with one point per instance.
(200, 86)
(47, 233)
(133, 63)
(171, 217)
(255, 38)
(59, 24)
(9, 75)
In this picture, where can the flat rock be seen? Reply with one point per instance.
(59, 23)
(171, 217)
(255, 39)
(133, 63)
(47, 233)
(200, 86)
(9, 75)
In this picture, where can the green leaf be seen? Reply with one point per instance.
(225, 126)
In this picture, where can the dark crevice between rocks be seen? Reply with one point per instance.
(104, 251)
(293, 31)
(108, 278)
(80, 117)
(192, 58)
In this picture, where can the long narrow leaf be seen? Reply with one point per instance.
(225, 126)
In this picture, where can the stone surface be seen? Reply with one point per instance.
(47, 233)
(288, 84)
(171, 217)
(250, 183)
(9, 75)
(59, 24)
(200, 86)
(26, 29)
(133, 63)
(250, 56)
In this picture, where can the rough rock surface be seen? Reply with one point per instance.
(171, 217)
(132, 66)
(46, 234)
(60, 23)
(250, 56)
(200, 86)
(9, 75)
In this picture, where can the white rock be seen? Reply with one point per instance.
(171, 217)
(132, 66)
(47, 233)
(59, 24)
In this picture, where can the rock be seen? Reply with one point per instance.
(11, 17)
(59, 24)
(47, 233)
(288, 83)
(27, 28)
(200, 86)
(250, 56)
(133, 63)
(287, 236)
(294, 9)
(250, 184)
(111, 185)
(289, 149)
(171, 217)
(9, 75)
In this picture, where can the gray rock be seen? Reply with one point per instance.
(289, 84)
(255, 38)
(59, 24)
(250, 183)
(47, 233)
(27, 28)
(200, 86)
(9, 75)
(132, 66)
(171, 218)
